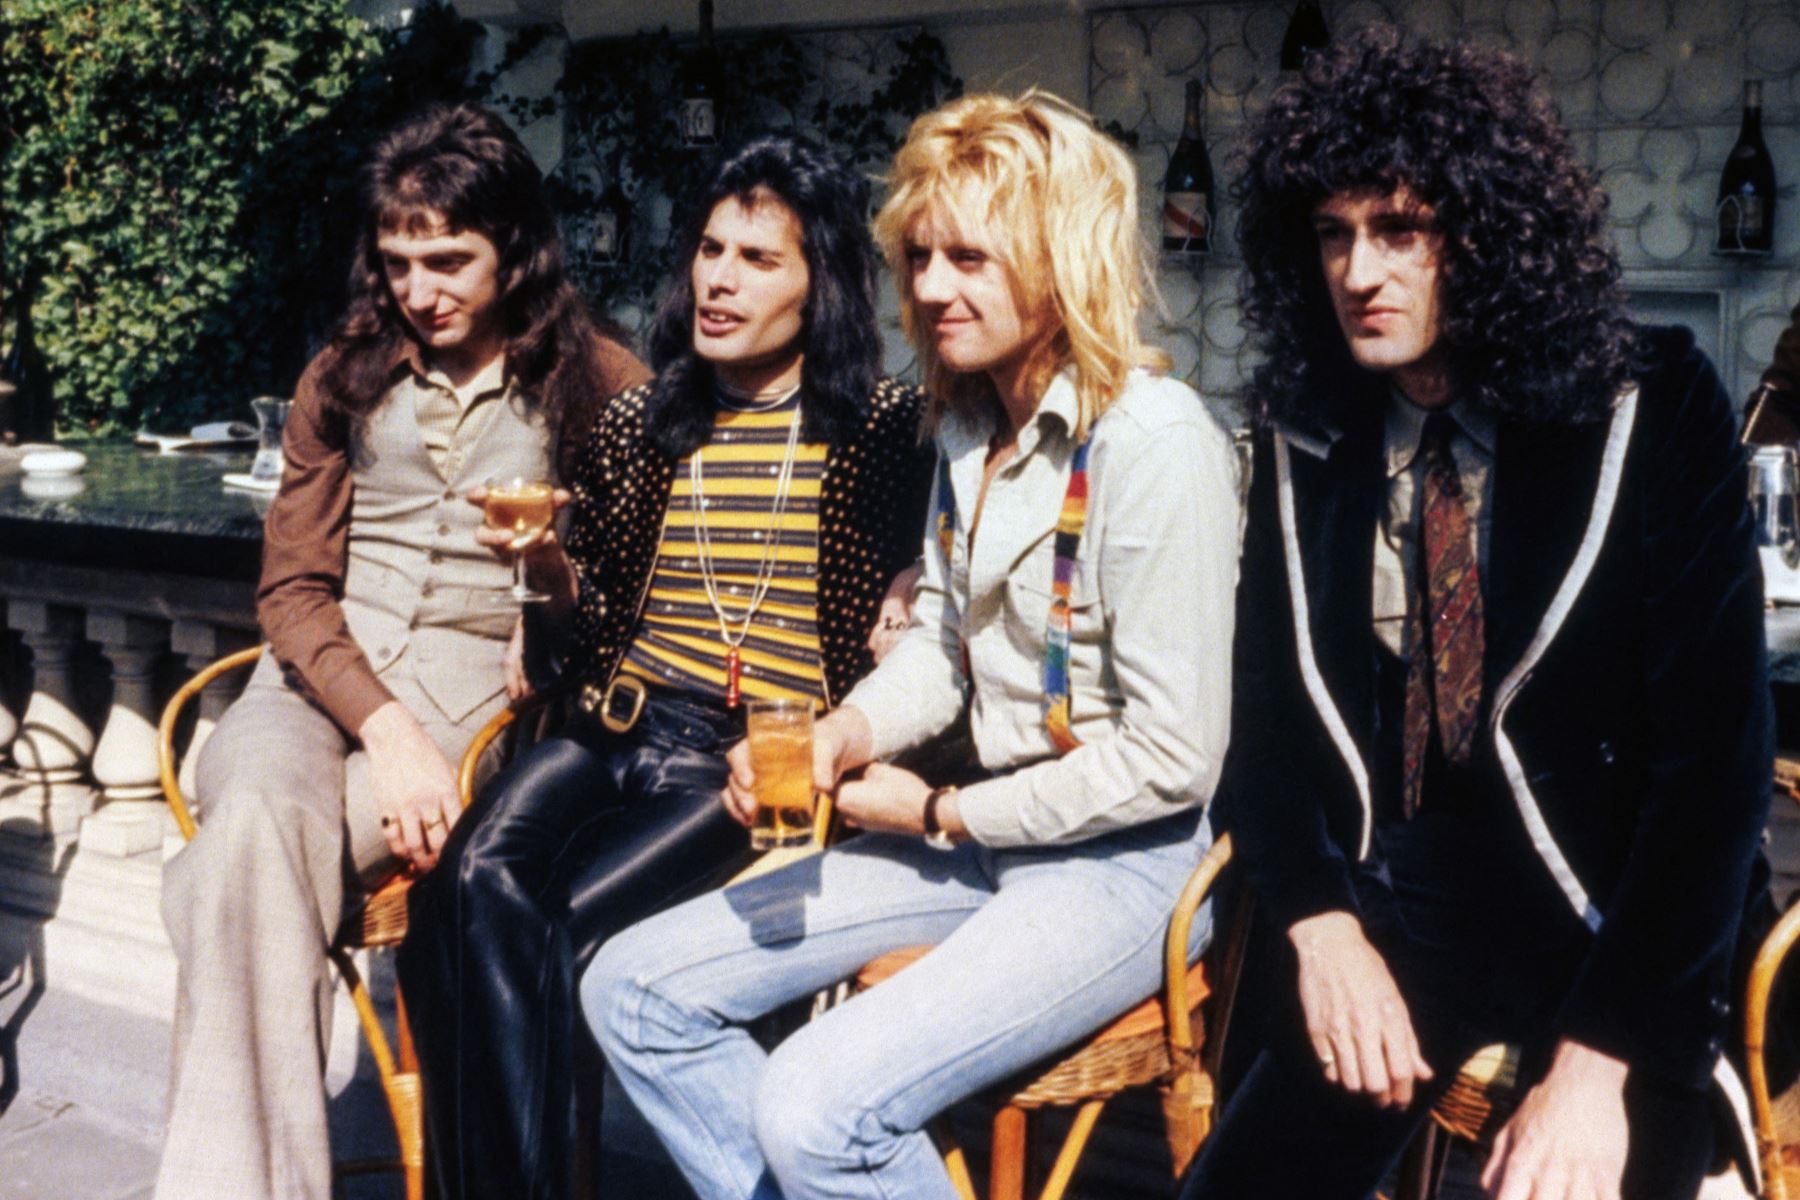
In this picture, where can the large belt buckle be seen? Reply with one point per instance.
(625, 690)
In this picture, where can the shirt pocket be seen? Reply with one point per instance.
(1029, 597)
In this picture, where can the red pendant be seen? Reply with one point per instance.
(734, 666)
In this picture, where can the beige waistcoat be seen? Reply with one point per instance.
(420, 595)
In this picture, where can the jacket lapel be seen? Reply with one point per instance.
(1336, 503)
(1544, 481)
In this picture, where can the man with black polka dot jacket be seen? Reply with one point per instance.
(741, 527)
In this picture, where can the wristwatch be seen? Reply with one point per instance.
(935, 837)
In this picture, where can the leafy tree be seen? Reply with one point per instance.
(181, 180)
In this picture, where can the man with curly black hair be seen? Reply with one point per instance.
(1502, 738)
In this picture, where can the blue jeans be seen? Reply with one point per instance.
(1036, 948)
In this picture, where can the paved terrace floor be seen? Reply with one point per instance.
(84, 1048)
(87, 988)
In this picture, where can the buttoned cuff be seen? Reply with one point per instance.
(1676, 1037)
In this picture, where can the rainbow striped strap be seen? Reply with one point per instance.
(1069, 524)
(946, 506)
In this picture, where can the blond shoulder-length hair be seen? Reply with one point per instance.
(1056, 201)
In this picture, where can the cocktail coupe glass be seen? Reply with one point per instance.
(524, 506)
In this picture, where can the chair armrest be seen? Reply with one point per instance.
(1787, 775)
(498, 724)
(824, 834)
(165, 731)
(1764, 971)
(1181, 924)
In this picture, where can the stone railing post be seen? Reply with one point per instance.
(9, 724)
(200, 643)
(129, 822)
(54, 742)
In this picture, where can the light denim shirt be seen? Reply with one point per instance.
(1150, 652)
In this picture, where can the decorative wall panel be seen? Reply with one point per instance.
(1650, 89)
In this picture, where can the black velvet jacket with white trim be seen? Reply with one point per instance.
(1629, 720)
(871, 525)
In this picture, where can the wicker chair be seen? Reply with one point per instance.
(1487, 1092)
(381, 921)
(1162, 1041)
(1140, 1048)
(1479, 1102)
(1776, 1118)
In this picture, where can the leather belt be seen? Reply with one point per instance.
(619, 704)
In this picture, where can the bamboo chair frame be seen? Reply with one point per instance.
(381, 921)
(1144, 1046)
(1775, 1119)
(1156, 1042)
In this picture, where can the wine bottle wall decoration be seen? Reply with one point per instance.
(1306, 33)
(700, 86)
(1187, 216)
(1746, 209)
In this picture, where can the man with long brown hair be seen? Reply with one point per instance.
(465, 354)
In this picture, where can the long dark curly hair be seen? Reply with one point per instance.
(840, 342)
(1533, 313)
(464, 164)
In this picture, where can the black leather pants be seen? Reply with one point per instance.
(585, 834)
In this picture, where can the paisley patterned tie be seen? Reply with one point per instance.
(1443, 652)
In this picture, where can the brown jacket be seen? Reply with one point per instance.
(1784, 371)
(305, 539)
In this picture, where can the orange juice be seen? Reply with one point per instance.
(780, 734)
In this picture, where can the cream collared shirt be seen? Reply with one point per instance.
(1152, 600)
(451, 417)
(1397, 552)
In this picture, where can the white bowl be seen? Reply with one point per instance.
(53, 462)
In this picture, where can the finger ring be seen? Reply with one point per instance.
(1328, 1060)
(434, 821)
(387, 822)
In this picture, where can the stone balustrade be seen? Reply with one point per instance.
(111, 597)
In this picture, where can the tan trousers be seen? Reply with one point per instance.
(287, 831)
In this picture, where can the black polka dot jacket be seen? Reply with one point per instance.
(872, 504)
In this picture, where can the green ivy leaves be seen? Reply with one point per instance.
(180, 181)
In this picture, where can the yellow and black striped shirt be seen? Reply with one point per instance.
(678, 643)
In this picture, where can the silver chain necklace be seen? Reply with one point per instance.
(765, 572)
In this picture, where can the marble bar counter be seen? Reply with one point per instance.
(135, 508)
(116, 583)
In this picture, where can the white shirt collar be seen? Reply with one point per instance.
(962, 427)
(1406, 427)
